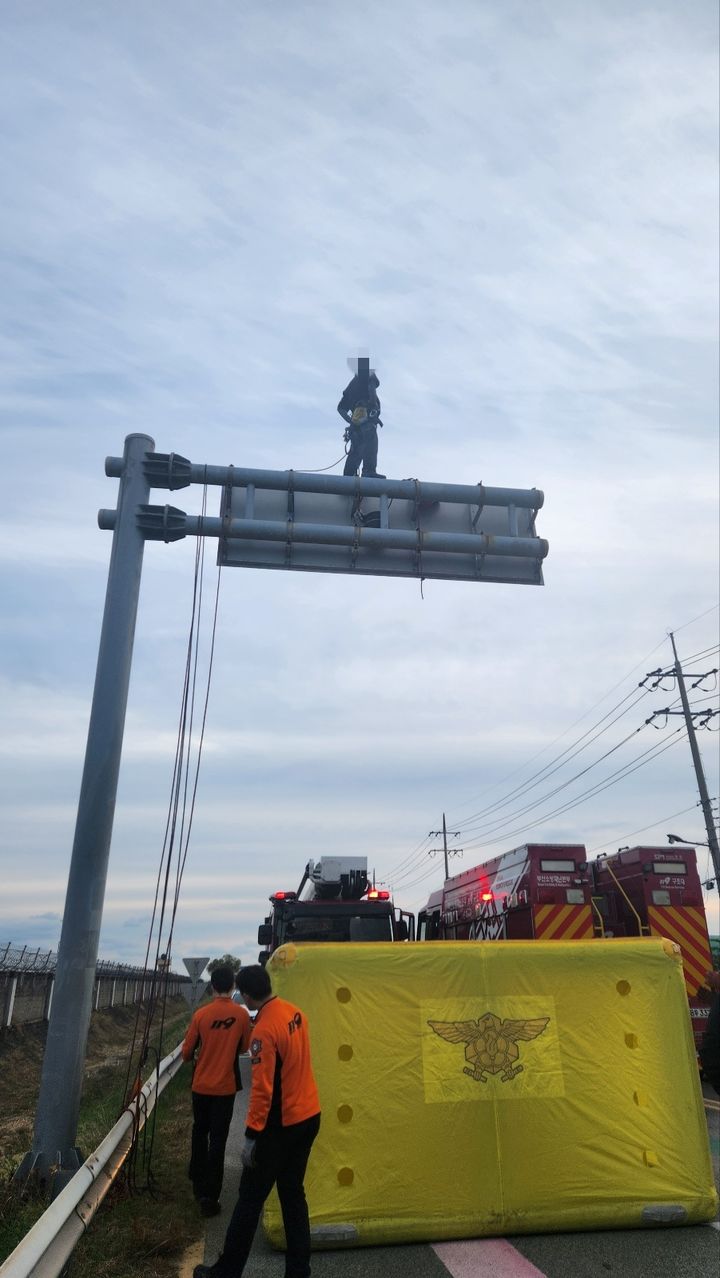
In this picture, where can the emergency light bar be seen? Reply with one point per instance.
(284, 896)
(376, 895)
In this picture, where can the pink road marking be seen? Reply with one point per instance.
(489, 1257)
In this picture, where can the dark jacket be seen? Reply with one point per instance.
(352, 397)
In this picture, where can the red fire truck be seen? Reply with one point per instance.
(334, 902)
(539, 891)
(549, 891)
(657, 892)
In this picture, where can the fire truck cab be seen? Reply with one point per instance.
(335, 901)
(651, 891)
(537, 891)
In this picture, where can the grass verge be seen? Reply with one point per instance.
(144, 1232)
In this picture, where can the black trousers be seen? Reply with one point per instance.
(281, 1157)
(363, 448)
(211, 1123)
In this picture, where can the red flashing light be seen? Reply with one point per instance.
(486, 896)
(375, 894)
(283, 896)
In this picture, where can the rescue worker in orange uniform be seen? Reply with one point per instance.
(282, 1122)
(219, 1032)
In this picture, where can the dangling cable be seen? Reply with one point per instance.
(177, 811)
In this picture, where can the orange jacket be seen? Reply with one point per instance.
(283, 1086)
(222, 1031)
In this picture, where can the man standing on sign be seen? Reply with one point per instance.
(282, 1123)
(360, 409)
(218, 1033)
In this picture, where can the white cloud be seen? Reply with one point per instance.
(208, 213)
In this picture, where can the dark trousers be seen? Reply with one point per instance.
(211, 1123)
(363, 448)
(281, 1157)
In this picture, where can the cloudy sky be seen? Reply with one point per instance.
(512, 205)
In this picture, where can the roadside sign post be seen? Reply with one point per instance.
(195, 967)
(54, 1152)
(193, 992)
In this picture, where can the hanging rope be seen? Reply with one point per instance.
(318, 470)
(178, 829)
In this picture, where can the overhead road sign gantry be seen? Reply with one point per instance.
(342, 524)
(267, 519)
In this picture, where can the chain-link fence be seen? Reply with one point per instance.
(27, 981)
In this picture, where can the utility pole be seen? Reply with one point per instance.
(699, 773)
(454, 834)
(54, 1155)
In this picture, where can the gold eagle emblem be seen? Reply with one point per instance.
(491, 1043)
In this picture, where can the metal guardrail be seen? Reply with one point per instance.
(44, 1251)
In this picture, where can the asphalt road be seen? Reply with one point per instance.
(684, 1252)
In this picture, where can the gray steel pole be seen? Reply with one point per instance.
(54, 1155)
(699, 773)
(447, 870)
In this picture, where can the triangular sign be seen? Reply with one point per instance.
(195, 966)
(193, 992)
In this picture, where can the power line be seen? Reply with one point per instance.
(574, 724)
(692, 620)
(412, 861)
(550, 770)
(417, 853)
(652, 753)
(617, 837)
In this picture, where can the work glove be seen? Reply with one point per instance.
(247, 1153)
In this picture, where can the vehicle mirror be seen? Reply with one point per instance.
(265, 934)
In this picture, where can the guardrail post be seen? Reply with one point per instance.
(54, 1153)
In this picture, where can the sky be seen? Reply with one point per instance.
(512, 205)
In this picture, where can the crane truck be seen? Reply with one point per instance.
(335, 901)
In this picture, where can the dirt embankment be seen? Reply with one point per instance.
(109, 1041)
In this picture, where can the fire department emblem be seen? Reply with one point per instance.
(491, 1043)
(255, 1046)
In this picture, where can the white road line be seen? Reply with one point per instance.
(714, 1224)
(491, 1257)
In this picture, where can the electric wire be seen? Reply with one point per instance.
(698, 656)
(411, 863)
(617, 837)
(558, 762)
(557, 789)
(641, 761)
(692, 620)
(417, 851)
(574, 724)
